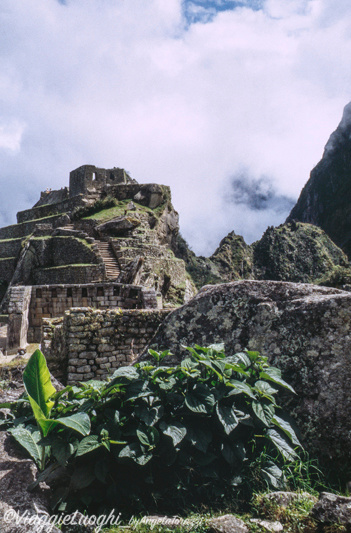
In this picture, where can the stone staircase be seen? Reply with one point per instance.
(68, 226)
(112, 267)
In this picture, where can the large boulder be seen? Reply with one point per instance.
(303, 329)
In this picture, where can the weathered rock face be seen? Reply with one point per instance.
(305, 330)
(231, 261)
(297, 252)
(326, 198)
(332, 508)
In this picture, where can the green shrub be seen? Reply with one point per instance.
(158, 437)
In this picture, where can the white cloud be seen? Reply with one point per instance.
(133, 84)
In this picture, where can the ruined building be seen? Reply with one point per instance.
(104, 242)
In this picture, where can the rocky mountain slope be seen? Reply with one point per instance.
(294, 251)
(326, 198)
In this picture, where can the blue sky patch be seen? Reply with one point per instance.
(205, 10)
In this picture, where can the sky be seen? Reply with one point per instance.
(229, 102)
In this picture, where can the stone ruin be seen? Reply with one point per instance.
(103, 243)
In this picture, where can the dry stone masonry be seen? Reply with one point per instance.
(104, 229)
(90, 343)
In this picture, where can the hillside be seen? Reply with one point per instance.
(297, 252)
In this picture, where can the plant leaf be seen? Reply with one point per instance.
(227, 417)
(274, 374)
(200, 437)
(149, 415)
(29, 440)
(88, 444)
(286, 427)
(281, 444)
(201, 399)
(264, 412)
(274, 476)
(37, 382)
(80, 422)
(239, 387)
(135, 452)
(148, 436)
(62, 451)
(176, 431)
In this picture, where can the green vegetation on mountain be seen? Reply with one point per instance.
(295, 252)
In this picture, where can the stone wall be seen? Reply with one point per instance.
(7, 268)
(88, 179)
(52, 301)
(10, 248)
(78, 274)
(43, 211)
(16, 231)
(91, 343)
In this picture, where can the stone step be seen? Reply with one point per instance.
(112, 267)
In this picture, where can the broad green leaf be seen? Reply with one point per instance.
(176, 431)
(274, 374)
(227, 417)
(128, 372)
(218, 348)
(264, 412)
(201, 399)
(62, 451)
(253, 355)
(281, 444)
(217, 367)
(286, 427)
(240, 358)
(200, 437)
(37, 382)
(148, 437)
(149, 415)
(137, 389)
(265, 389)
(238, 387)
(135, 452)
(274, 476)
(88, 444)
(29, 440)
(80, 422)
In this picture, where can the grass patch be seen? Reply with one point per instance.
(74, 265)
(116, 211)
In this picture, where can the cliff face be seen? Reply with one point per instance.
(326, 198)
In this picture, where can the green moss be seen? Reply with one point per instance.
(48, 237)
(4, 241)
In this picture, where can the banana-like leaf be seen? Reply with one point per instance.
(80, 422)
(36, 378)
